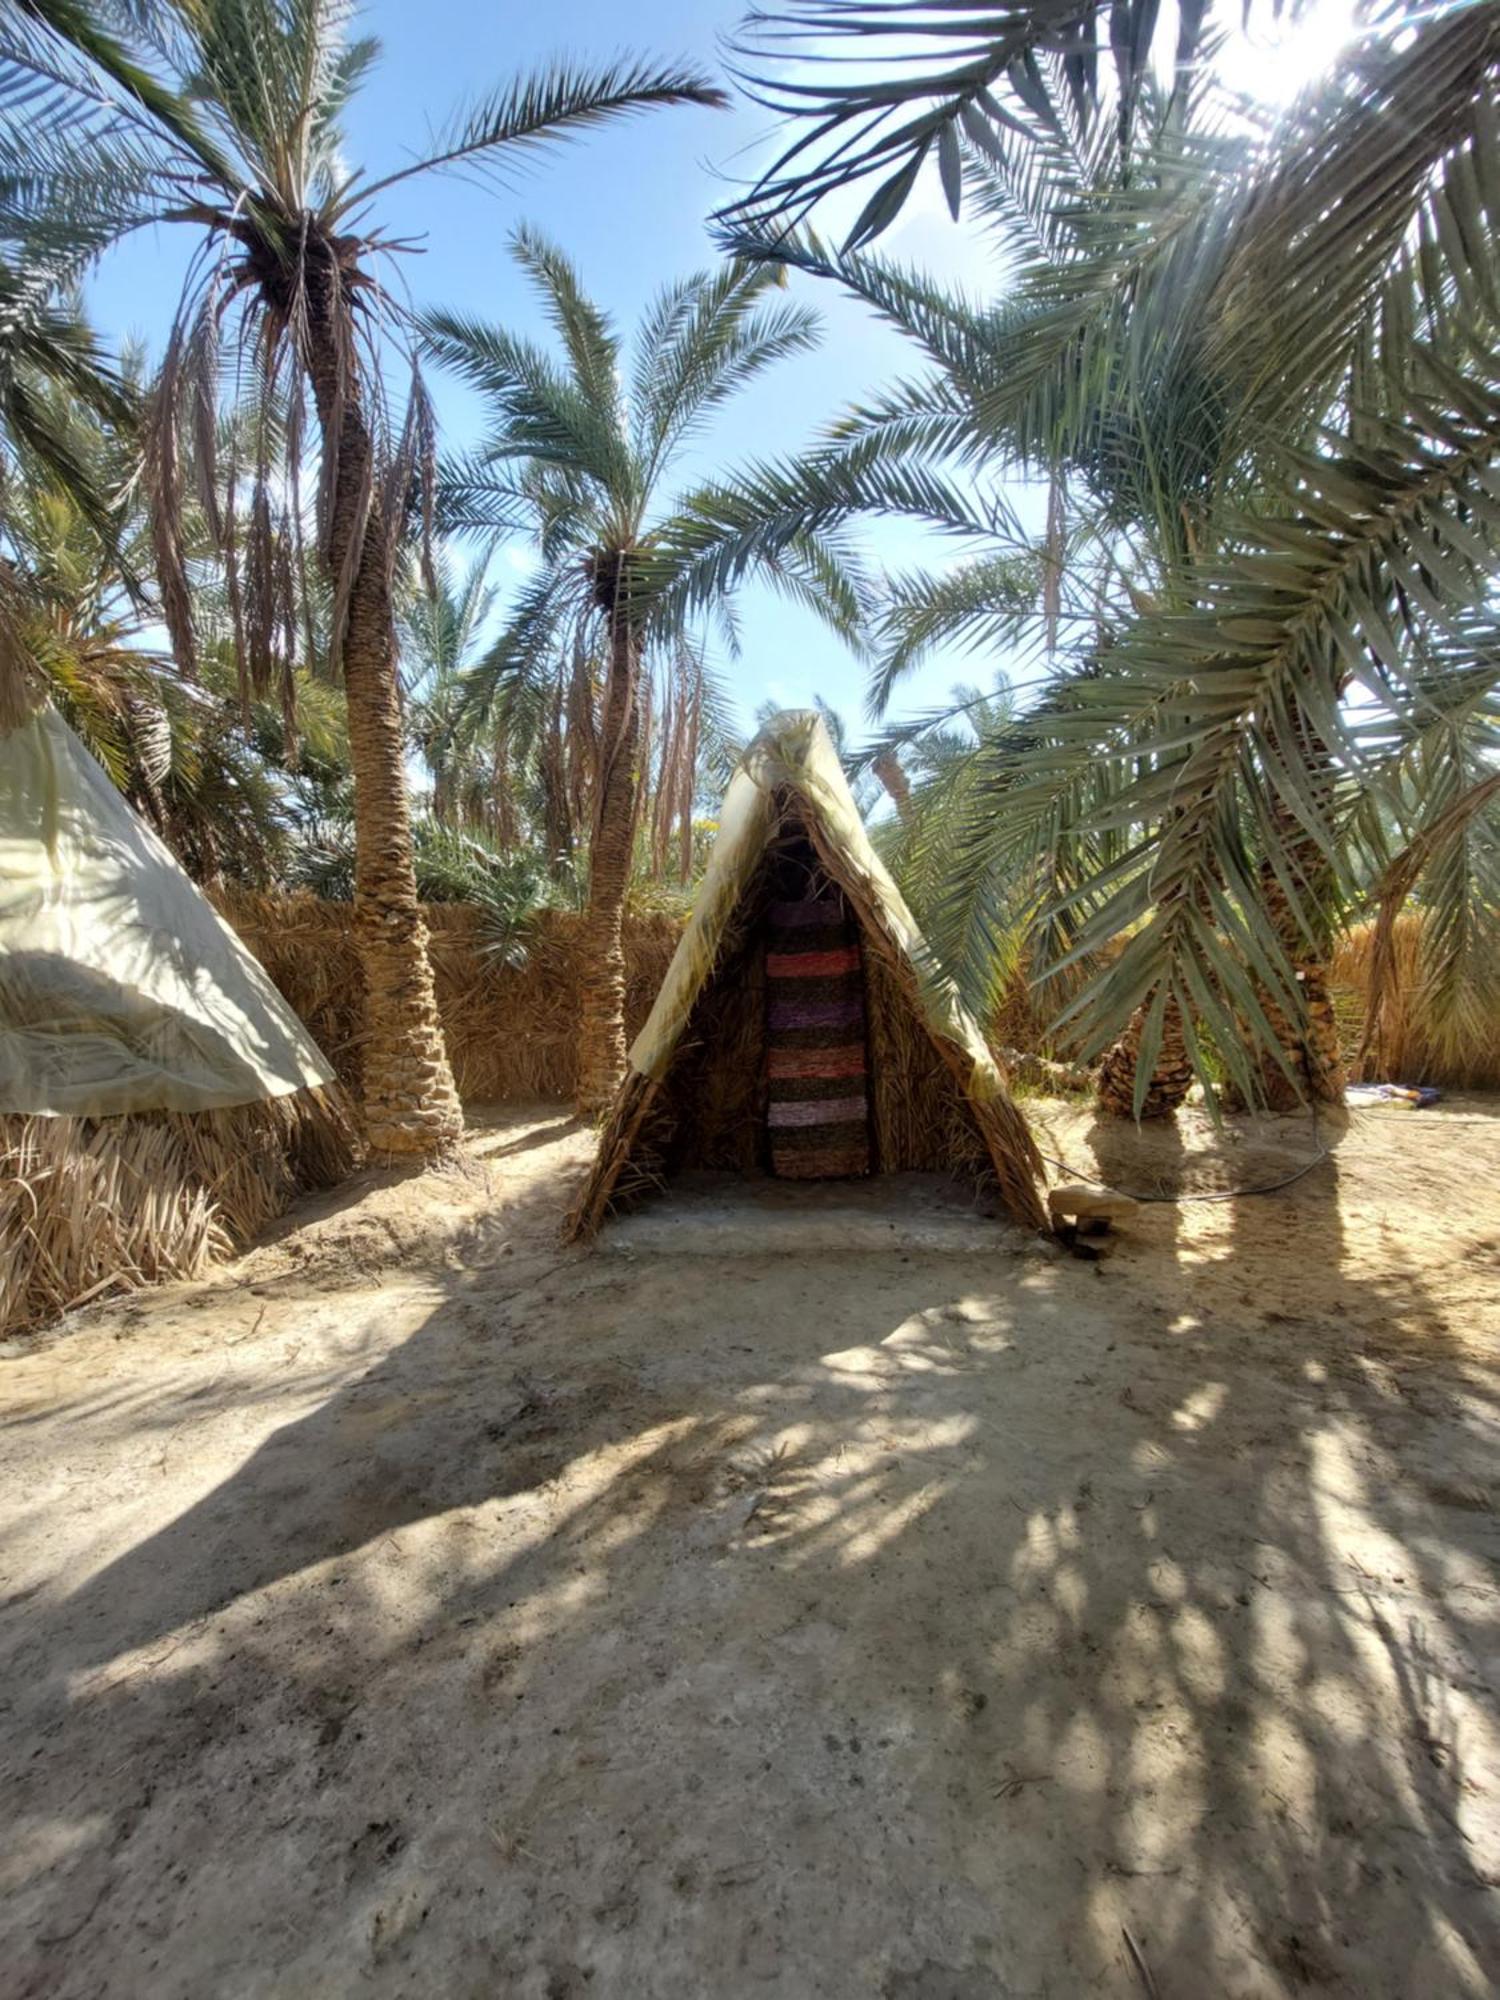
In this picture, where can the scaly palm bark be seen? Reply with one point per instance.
(410, 1099)
(602, 1050)
(1312, 1053)
(1171, 1076)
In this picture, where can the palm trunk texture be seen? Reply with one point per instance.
(1171, 1080)
(601, 1066)
(410, 1103)
(1316, 1061)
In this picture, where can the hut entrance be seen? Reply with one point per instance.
(816, 1046)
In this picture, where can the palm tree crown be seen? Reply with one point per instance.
(224, 117)
(584, 454)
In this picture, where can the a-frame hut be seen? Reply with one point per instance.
(803, 1028)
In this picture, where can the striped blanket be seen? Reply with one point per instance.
(819, 1114)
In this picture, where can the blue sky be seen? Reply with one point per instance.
(629, 205)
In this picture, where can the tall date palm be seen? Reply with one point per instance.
(1270, 368)
(222, 118)
(583, 454)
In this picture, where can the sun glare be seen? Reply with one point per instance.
(1274, 57)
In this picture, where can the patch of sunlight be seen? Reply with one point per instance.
(1278, 1642)
(1136, 1660)
(46, 1846)
(1288, 1768)
(1039, 1548)
(1203, 1251)
(1200, 1654)
(1360, 1545)
(1282, 52)
(1165, 1763)
(1149, 1456)
(893, 1521)
(1083, 1755)
(1070, 1591)
(1168, 1579)
(978, 1312)
(1201, 1407)
(1340, 1704)
(186, 1650)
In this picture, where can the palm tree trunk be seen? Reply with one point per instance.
(1316, 1060)
(1314, 1056)
(410, 1102)
(887, 768)
(1171, 1080)
(601, 1056)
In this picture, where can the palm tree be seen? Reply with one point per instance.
(581, 452)
(223, 117)
(1262, 371)
(939, 75)
(56, 388)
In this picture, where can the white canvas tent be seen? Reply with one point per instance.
(121, 988)
(159, 1101)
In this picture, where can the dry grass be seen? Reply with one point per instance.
(96, 1205)
(512, 1032)
(1467, 1057)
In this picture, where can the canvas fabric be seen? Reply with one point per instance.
(121, 987)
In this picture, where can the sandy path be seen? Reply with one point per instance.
(417, 1610)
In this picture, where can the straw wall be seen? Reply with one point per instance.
(512, 1032)
(1468, 1058)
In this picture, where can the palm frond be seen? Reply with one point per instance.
(556, 104)
(702, 341)
(995, 67)
(980, 605)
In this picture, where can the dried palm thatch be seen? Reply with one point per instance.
(511, 1028)
(695, 1092)
(90, 1206)
(1407, 1046)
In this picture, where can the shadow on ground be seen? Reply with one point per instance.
(882, 1625)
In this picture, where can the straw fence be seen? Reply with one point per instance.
(88, 1207)
(512, 1031)
(1465, 1057)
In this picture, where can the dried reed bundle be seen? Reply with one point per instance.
(94, 1205)
(1408, 1047)
(512, 1031)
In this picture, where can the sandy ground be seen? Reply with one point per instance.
(418, 1609)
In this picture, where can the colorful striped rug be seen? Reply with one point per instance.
(819, 1113)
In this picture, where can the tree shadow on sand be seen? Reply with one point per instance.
(908, 1628)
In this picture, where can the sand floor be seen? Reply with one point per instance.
(417, 1608)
